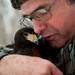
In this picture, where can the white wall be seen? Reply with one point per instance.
(8, 22)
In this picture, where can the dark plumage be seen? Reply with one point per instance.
(23, 46)
(26, 47)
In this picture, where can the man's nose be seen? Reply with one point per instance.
(39, 27)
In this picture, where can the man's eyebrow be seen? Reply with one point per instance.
(72, 1)
(31, 15)
(43, 7)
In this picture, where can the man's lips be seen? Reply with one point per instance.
(49, 37)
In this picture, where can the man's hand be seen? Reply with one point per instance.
(26, 65)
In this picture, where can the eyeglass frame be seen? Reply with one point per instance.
(30, 17)
(38, 9)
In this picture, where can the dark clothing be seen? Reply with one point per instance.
(67, 58)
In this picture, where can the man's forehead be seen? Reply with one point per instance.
(31, 5)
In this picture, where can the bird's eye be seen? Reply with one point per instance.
(25, 34)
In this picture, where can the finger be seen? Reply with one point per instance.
(54, 70)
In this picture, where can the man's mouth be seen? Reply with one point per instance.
(49, 37)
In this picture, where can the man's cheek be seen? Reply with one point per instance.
(57, 21)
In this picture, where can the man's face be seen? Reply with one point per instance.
(56, 24)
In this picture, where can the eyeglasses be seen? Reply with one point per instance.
(41, 13)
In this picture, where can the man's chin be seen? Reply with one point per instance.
(56, 45)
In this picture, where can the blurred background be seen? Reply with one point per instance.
(9, 22)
